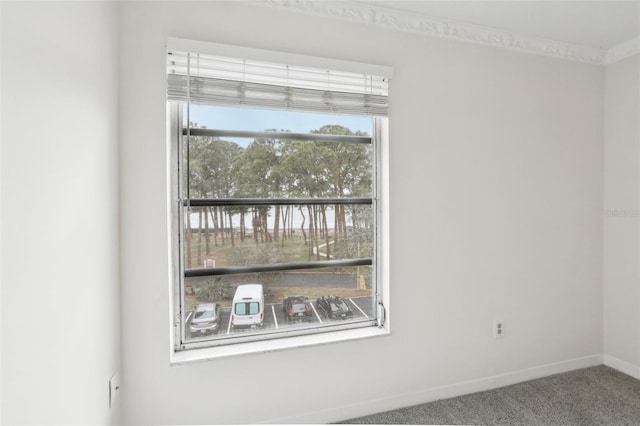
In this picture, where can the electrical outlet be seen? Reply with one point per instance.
(498, 329)
(114, 390)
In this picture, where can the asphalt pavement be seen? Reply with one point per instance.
(275, 318)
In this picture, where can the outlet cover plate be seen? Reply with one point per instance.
(114, 390)
(498, 329)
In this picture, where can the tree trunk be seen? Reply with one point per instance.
(207, 236)
(233, 241)
(326, 231)
(304, 234)
(222, 227)
(337, 235)
(214, 219)
(312, 245)
(276, 224)
(242, 227)
(317, 231)
(265, 229)
(313, 231)
(200, 237)
(254, 223)
(285, 216)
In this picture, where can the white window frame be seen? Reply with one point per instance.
(381, 263)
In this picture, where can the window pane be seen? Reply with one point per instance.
(241, 309)
(292, 300)
(254, 202)
(253, 119)
(259, 235)
(254, 308)
(278, 168)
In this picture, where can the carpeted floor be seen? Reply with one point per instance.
(591, 396)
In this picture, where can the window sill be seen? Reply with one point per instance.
(204, 354)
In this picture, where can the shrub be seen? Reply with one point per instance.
(215, 290)
(268, 293)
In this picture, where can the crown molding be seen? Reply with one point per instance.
(623, 51)
(370, 14)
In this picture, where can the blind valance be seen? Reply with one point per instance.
(216, 80)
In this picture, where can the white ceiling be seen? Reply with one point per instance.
(599, 23)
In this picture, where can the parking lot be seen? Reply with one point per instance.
(275, 318)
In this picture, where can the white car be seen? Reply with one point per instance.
(205, 319)
(247, 310)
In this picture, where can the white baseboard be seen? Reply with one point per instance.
(393, 402)
(622, 366)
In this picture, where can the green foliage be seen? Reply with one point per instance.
(357, 244)
(276, 167)
(218, 290)
(215, 290)
(212, 164)
(261, 254)
(268, 293)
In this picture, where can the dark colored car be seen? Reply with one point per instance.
(297, 308)
(205, 319)
(334, 307)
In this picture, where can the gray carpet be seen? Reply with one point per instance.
(591, 396)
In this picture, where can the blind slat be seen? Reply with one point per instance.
(212, 91)
(206, 79)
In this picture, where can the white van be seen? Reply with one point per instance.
(248, 306)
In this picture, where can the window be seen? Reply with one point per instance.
(276, 194)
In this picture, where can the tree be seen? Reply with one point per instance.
(348, 168)
(210, 175)
(305, 177)
(259, 176)
(275, 168)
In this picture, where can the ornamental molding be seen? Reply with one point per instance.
(623, 51)
(370, 14)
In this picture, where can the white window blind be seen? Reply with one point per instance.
(217, 80)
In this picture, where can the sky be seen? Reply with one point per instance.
(215, 117)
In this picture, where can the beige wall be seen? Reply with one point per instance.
(501, 164)
(60, 273)
(496, 212)
(621, 295)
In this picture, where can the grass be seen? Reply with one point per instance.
(292, 249)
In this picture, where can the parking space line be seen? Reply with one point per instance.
(316, 312)
(275, 320)
(356, 305)
(229, 326)
(186, 320)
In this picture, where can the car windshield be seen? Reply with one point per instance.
(204, 314)
(299, 306)
(337, 305)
